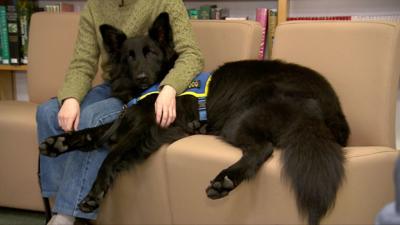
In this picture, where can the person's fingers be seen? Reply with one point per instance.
(165, 117)
(68, 116)
(76, 122)
(172, 115)
(60, 122)
(158, 113)
(165, 106)
(69, 123)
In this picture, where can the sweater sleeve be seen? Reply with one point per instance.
(190, 61)
(84, 64)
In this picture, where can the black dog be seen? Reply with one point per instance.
(254, 105)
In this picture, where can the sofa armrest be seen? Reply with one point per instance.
(139, 195)
(19, 156)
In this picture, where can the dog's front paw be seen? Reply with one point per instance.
(89, 204)
(53, 146)
(196, 127)
(193, 126)
(220, 187)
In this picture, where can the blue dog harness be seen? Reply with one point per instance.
(197, 88)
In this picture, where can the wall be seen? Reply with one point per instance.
(343, 7)
(236, 8)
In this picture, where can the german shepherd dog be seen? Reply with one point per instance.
(256, 106)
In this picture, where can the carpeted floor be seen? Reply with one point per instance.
(21, 217)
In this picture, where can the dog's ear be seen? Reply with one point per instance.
(161, 30)
(113, 38)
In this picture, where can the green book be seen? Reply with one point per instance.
(14, 33)
(205, 12)
(24, 11)
(5, 48)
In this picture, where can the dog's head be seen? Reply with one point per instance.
(140, 61)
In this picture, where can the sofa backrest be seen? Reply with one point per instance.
(52, 38)
(227, 40)
(361, 61)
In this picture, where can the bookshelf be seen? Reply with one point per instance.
(13, 67)
(282, 15)
(282, 10)
(285, 8)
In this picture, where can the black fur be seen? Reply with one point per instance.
(254, 105)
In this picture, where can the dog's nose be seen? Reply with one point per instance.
(142, 78)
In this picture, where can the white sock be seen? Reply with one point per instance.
(61, 219)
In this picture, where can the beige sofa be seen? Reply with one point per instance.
(360, 60)
(52, 39)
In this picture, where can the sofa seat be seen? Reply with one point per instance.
(191, 164)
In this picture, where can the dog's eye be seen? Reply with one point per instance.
(146, 50)
(132, 54)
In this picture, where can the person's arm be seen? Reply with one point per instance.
(84, 63)
(187, 66)
(81, 71)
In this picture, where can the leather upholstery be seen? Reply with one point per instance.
(52, 37)
(350, 56)
(360, 59)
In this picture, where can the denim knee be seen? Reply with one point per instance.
(49, 108)
(46, 119)
(99, 113)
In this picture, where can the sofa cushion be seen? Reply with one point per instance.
(219, 40)
(360, 59)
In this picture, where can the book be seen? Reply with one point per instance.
(320, 18)
(262, 18)
(59, 7)
(236, 18)
(193, 14)
(387, 18)
(14, 35)
(24, 9)
(1, 49)
(205, 12)
(208, 12)
(272, 23)
(5, 52)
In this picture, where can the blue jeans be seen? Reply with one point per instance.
(390, 214)
(69, 177)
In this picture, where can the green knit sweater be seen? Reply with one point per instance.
(134, 18)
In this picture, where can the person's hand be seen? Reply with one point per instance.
(165, 106)
(68, 116)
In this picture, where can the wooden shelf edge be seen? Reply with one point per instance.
(283, 8)
(14, 67)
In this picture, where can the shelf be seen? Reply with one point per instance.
(13, 67)
(282, 6)
(282, 15)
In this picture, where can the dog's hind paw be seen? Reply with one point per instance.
(220, 188)
(53, 146)
(89, 204)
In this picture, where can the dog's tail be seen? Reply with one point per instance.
(313, 164)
